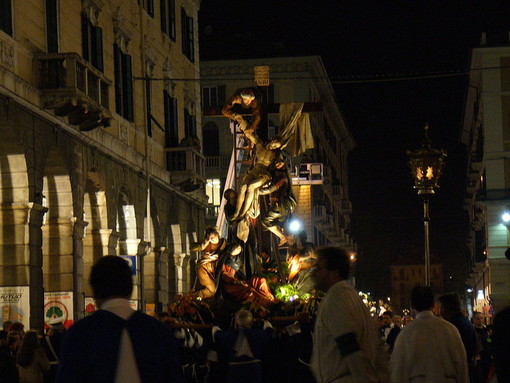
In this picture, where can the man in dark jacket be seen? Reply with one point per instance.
(449, 309)
(116, 343)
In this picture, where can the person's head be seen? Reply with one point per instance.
(3, 338)
(332, 266)
(449, 305)
(422, 298)
(7, 325)
(18, 327)
(247, 96)
(244, 319)
(478, 319)
(274, 143)
(387, 317)
(397, 320)
(212, 235)
(13, 340)
(28, 345)
(111, 278)
(279, 163)
(230, 195)
(235, 250)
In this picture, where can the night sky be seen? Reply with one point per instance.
(376, 54)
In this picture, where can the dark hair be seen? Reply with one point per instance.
(211, 230)
(336, 259)
(17, 326)
(450, 303)
(422, 298)
(26, 351)
(3, 334)
(111, 277)
(227, 194)
(389, 313)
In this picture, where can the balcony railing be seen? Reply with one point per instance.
(185, 162)
(221, 162)
(72, 86)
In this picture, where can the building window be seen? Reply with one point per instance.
(51, 26)
(188, 40)
(168, 18)
(92, 42)
(148, 6)
(171, 121)
(213, 192)
(148, 102)
(211, 135)
(213, 96)
(123, 84)
(6, 16)
(190, 126)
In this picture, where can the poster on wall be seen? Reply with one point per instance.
(58, 308)
(90, 305)
(15, 304)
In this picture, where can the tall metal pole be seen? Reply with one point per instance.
(426, 222)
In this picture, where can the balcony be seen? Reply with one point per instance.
(308, 174)
(319, 214)
(74, 89)
(337, 193)
(346, 206)
(185, 162)
(217, 162)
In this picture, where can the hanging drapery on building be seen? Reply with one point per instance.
(295, 129)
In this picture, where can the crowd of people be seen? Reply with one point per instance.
(338, 343)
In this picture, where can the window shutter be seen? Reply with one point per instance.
(221, 95)
(51, 26)
(85, 42)
(97, 46)
(164, 16)
(191, 40)
(128, 88)
(171, 17)
(117, 63)
(184, 28)
(6, 16)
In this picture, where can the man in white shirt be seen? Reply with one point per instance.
(429, 349)
(346, 344)
(117, 344)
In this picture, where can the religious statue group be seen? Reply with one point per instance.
(232, 267)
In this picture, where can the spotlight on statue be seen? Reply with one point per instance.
(295, 226)
(505, 217)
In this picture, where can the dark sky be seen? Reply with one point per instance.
(366, 42)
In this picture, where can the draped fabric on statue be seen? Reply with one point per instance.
(295, 129)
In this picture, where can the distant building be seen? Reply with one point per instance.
(486, 134)
(320, 175)
(405, 277)
(85, 134)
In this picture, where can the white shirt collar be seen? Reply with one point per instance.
(119, 307)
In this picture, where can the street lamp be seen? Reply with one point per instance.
(426, 166)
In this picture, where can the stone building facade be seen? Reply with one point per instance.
(100, 146)
(486, 134)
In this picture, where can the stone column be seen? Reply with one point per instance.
(35, 266)
(78, 278)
